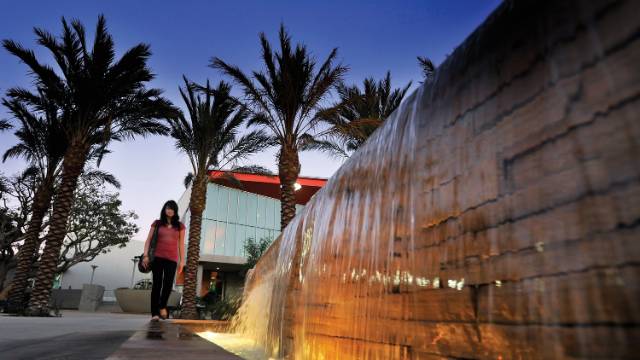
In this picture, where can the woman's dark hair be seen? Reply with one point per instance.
(175, 220)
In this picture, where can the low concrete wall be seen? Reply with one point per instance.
(138, 301)
(66, 298)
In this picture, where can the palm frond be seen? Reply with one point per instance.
(44, 75)
(331, 148)
(244, 147)
(30, 173)
(103, 176)
(188, 179)
(428, 69)
(5, 125)
(253, 169)
(17, 151)
(41, 139)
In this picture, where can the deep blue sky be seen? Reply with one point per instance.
(372, 37)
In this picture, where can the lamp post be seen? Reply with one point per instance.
(133, 271)
(93, 271)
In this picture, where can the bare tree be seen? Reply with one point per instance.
(97, 224)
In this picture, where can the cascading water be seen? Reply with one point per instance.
(495, 215)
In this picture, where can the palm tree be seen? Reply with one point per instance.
(101, 100)
(210, 140)
(42, 143)
(286, 101)
(357, 115)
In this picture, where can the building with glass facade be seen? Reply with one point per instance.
(245, 207)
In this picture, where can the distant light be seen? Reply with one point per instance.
(217, 268)
(297, 187)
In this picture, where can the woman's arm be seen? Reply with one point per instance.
(147, 243)
(181, 255)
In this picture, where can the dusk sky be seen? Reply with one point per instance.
(372, 37)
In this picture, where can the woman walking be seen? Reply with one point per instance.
(168, 253)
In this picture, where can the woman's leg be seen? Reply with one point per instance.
(169, 268)
(156, 270)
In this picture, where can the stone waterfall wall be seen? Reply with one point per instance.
(527, 203)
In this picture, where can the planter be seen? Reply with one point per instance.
(137, 301)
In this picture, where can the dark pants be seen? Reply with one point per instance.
(163, 273)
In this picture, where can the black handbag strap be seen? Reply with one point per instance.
(154, 241)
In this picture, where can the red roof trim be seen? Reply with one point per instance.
(268, 179)
(268, 185)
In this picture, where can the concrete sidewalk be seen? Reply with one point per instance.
(14, 328)
(73, 336)
(80, 336)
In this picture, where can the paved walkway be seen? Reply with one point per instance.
(90, 336)
(166, 340)
(75, 335)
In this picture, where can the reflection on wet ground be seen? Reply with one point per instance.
(161, 339)
(155, 330)
(237, 344)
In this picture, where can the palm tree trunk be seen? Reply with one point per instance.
(28, 250)
(196, 208)
(288, 171)
(72, 166)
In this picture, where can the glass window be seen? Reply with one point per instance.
(261, 214)
(278, 218)
(210, 204)
(221, 233)
(223, 204)
(208, 236)
(240, 239)
(252, 209)
(230, 239)
(270, 214)
(242, 208)
(233, 206)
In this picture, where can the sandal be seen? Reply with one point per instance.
(164, 314)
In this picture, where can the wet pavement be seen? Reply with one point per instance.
(169, 340)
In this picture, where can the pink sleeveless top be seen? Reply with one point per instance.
(168, 239)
